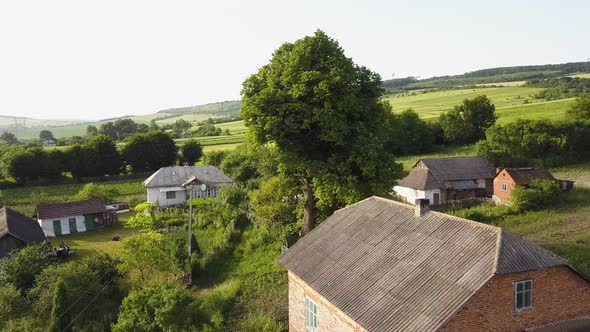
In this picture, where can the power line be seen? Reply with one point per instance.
(91, 301)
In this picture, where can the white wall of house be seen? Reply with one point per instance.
(47, 225)
(411, 195)
(158, 195)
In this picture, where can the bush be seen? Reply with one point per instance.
(539, 194)
(91, 190)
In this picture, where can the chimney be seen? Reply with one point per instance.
(422, 207)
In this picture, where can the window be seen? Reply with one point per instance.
(311, 315)
(504, 187)
(171, 195)
(523, 295)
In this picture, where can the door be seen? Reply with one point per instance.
(89, 222)
(57, 227)
(73, 227)
(436, 198)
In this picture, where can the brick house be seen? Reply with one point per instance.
(508, 178)
(380, 265)
(444, 180)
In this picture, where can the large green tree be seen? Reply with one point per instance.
(147, 152)
(109, 158)
(580, 109)
(326, 117)
(46, 134)
(191, 152)
(9, 138)
(467, 123)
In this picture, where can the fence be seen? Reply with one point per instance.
(281, 324)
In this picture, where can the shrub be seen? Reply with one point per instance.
(91, 190)
(538, 195)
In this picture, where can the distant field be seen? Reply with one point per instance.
(432, 104)
(548, 110)
(583, 75)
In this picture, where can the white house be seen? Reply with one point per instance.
(48, 143)
(164, 187)
(443, 180)
(72, 217)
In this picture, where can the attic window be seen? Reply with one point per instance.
(523, 295)
(311, 315)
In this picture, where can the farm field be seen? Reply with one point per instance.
(431, 104)
(547, 110)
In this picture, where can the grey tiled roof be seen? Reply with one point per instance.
(421, 179)
(392, 271)
(524, 175)
(577, 324)
(19, 226)
(459, 168)
(177, 175)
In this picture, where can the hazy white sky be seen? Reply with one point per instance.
(102, 58)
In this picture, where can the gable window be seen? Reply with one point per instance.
(504, 187)
(523, 295)
(311, 315)
(171, 195)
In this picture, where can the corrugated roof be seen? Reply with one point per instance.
(68, 209)
(578, 324)
(392, 271)
(459, 168)
(524, 175)
(420, 179)
(19, 226)
(177, 175)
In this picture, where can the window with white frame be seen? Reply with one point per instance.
(523, 295)
(171, 195)
(504, 187)
(311, 315)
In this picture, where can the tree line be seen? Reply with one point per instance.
(97, 157)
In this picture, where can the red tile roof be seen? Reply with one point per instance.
(68, 209)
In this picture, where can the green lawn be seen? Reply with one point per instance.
(548, 110)
(98, 240)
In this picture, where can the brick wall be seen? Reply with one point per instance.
(558, 294)
(329, 317)
(503, 177)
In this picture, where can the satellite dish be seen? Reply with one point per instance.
(203, 187)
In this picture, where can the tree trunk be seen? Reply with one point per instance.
(309, 209)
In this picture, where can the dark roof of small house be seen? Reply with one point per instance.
(459, 168)
(389, 270)
(421, 179)
(69, 209)
(177, 175)
(577, 324)
(524, 175)
(19, 226)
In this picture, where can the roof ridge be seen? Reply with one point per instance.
(498, 251)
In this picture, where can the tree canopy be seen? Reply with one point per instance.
(581, 107)
(467, 123)
(325, 115)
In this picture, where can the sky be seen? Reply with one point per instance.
(88, 60)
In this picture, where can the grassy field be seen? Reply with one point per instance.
(547, 110)
(431, 104)
(99, 240)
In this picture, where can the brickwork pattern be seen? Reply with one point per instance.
(558, 294)
(329, 317)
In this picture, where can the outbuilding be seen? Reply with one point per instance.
(509, 178)
(73, 217)
(17, 231)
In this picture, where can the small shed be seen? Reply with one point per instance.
(74, 217)
(17, 231)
